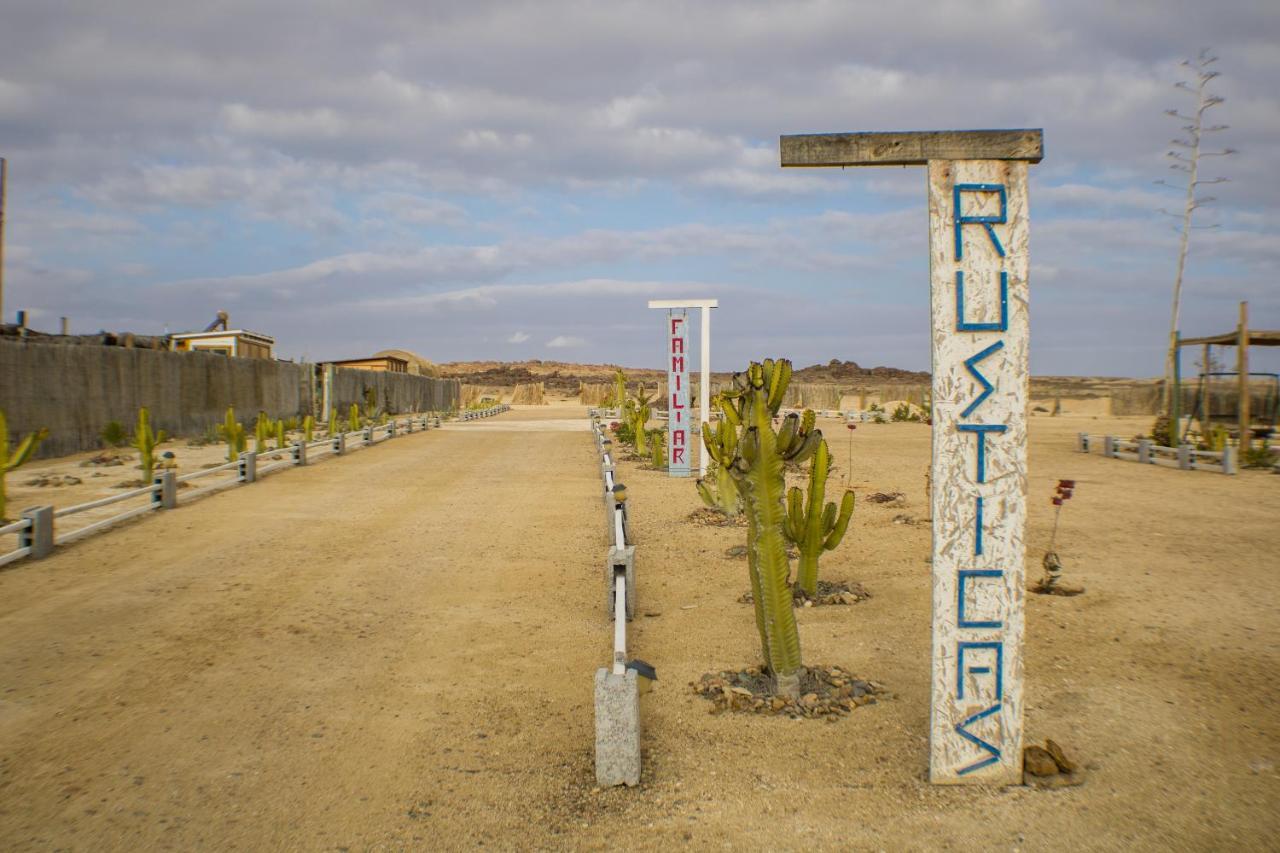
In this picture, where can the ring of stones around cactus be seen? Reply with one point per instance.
(708, 517)
(825, 692)
(829, 592)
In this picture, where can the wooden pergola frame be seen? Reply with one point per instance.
(1242, 338)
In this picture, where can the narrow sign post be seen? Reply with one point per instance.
(681, 433)
(978, 262)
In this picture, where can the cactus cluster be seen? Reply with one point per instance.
(718, 489)
(145, 441)
(232, 432)
(753, 455)
(17, 456)
(262, 432)
(636, 412)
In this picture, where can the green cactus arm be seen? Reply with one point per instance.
(808, 420)
(841, 523)
(795, 521)
(807, 448)
(778, 384)
(828, 518)
(26, 447)
(704, 492)
(788, 433)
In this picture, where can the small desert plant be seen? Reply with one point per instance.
(658, 449)
(1216, 440)
(291, 423)
(280, 436)
(10, 459)
(623, 433)
(817, 526)
(145, 440)
(308, 428)
(1052, 563)
(113, 434)
(232, 432)
(1258, 455)
(875, 407)
(353, 418)
(333, 425)
(637, 412)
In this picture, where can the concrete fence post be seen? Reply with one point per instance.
(165, 497)
(248, 466)
(1082, 442)
(625, 559)
(1186, 459)
(617, 706)
(1228, 460)
(409, 425)
(368, 434)
(1144, 450)
(299, 453)
(391, 429)
(340, 443)
(1109, 446)
(39, 535)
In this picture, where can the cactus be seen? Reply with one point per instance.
(719, 491)
(308, 428)
(816, 527)
(262, 431)
(18, 456)
(280, 436)
(232, 432)
(658, 450)
(333, 426)
(638, 411)
(619, 396)
(353, 418)
(145, 441)
(756, 465)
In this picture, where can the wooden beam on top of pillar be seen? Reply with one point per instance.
(913, 148)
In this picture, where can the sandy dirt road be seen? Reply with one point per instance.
(395, 650)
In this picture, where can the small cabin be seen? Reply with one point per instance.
(385, 363)
(236, 343)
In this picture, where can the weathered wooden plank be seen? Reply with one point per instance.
(980, 336)
(911, 148)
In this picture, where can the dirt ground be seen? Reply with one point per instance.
(395, 650)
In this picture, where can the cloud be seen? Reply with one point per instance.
(565, 342)
(518, 338)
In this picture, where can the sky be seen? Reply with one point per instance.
(476, 180)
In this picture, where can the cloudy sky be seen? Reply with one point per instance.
(514, 180)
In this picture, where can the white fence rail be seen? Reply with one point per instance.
(36, 529)
(476, 414)
(1146, 452)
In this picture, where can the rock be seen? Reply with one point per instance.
(1037, 761)
(653, 614)
(778, 703)
(809, 700)
(1059, 757)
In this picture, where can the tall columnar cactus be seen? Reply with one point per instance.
(353, 418)
(308, 428)
(262, 431)
(146, 441)
(232, 432)
(619, 396)
(10, 459)
(817, 526)
(658, 450)
(333, 426)
(280, 436)
(756, 464)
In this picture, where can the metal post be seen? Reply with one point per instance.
(1242, 366)
(39, 535)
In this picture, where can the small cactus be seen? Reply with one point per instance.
(280, 436)
(353, 418)
(18, 456)
(818, 526)
(262, 431)
(232, 432)
(308, 428)
(333, 426)
(146, 441)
